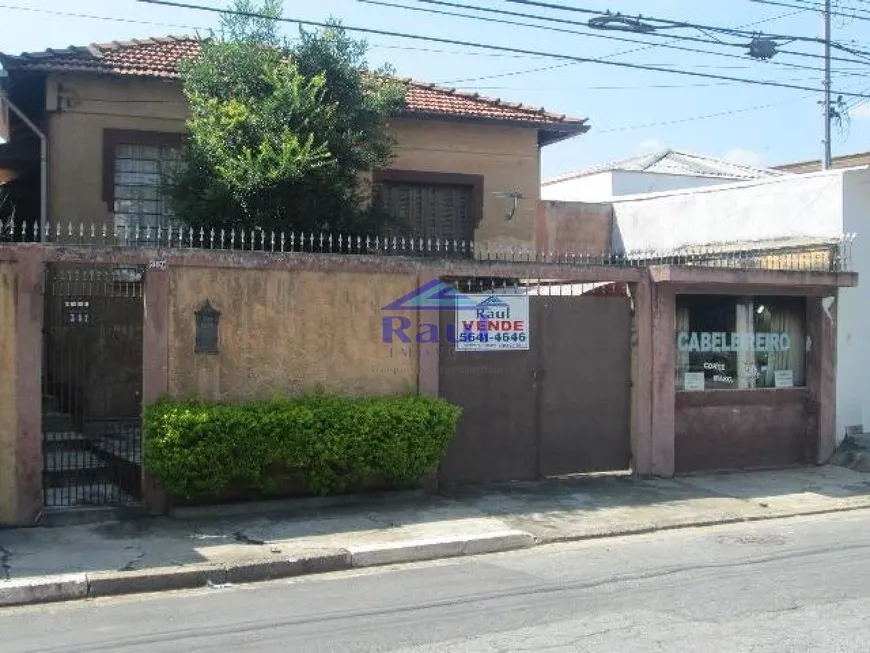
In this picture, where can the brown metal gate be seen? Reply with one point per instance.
(92, 386)
(561, 407)
(584, 354)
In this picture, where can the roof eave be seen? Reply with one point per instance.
(554, 131)
(552, 134)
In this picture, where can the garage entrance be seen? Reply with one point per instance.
(560, 407)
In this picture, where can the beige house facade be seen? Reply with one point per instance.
(113, 116)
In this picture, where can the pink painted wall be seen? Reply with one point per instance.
(653, 292)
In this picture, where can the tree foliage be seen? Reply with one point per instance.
(281, 136)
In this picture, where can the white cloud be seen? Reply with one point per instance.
(742, 156)
(861, 111)
(650, 145)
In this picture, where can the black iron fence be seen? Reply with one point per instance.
(798, 254)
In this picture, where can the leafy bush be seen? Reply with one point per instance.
(198, 449)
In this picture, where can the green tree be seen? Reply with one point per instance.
(281, 136)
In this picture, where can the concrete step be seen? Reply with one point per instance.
(77, 477)
(57, 422)
(68, 460)
(87, 494)
(70, 443)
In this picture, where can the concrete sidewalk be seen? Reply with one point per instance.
(152, 554)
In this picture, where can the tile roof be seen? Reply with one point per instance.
(159, 57)
(673, 162)
(837, 163)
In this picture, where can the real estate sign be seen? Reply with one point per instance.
(495, 322)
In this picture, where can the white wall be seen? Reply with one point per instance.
(589, 188)
(631, 182)
(804, 205)
(853, 312)
(605, 186)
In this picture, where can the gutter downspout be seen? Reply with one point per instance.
(43, 167)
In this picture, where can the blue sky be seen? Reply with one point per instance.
(630, 111)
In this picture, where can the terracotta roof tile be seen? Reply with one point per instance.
(159, 57)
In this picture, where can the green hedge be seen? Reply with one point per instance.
(198, 449)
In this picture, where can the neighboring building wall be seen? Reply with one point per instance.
(825, 204)
(853, 356)
(631, 182)
(605, 186)
(8, 395)
(286, 332)
(810, 205)
(574, 228)
(81, 107)
(588, 188)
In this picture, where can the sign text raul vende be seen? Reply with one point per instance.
(483, 322)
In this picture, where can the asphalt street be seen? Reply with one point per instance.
(786, 585)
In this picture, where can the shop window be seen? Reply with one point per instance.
(738, 343)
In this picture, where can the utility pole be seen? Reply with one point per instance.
(826, 153)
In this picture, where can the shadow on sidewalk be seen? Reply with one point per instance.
(552, 510)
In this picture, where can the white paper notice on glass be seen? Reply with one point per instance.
(783, 379)
(693, 381)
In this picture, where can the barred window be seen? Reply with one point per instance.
(139, 202)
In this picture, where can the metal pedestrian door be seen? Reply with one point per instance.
(92, 385)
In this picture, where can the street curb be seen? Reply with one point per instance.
(435, 549)
(702, 523)
(27, 591)
(113, 583)
(45, 589)
(36, 590)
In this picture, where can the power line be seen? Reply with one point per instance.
(731, 31)
(719, 114)
(527, 71)
(487, 46)
(667, 23)
(70, 14)
(117, 19)
(637, 87)
(839, 5)
(395, 5)
(839, 13)
(564, 21)
(648, 47)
